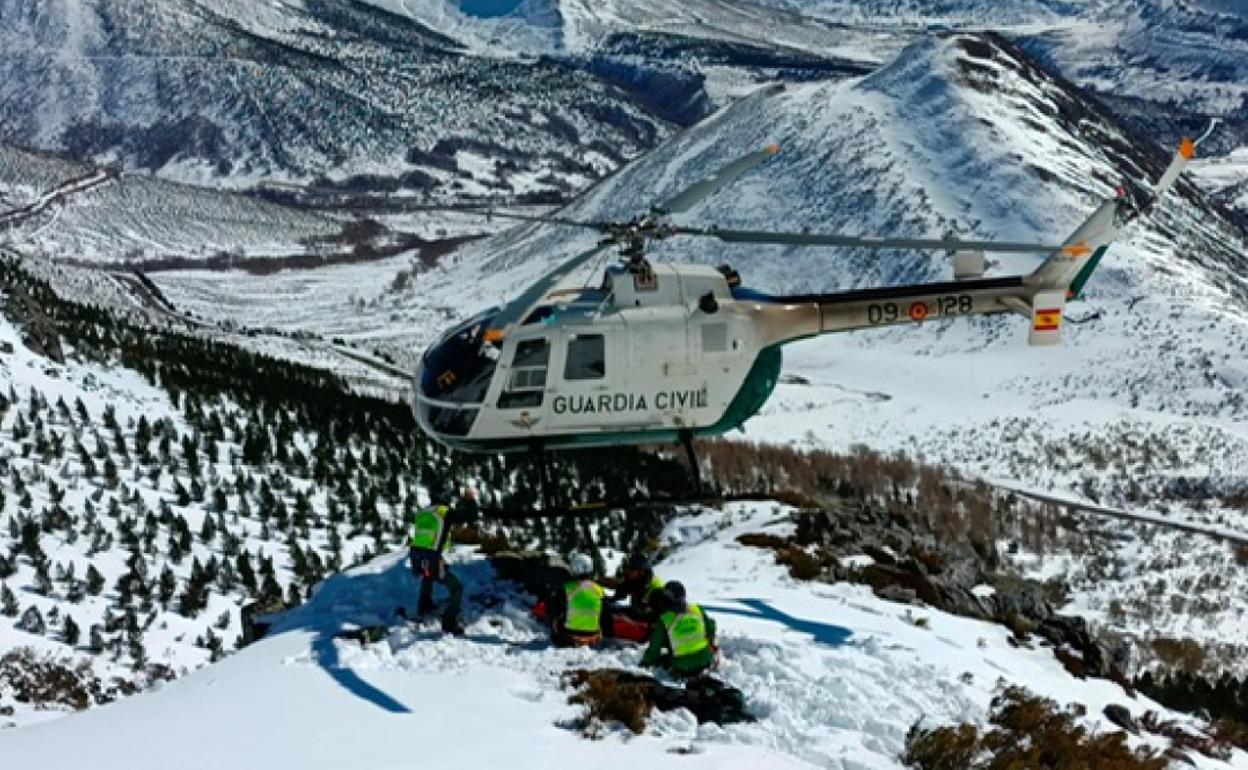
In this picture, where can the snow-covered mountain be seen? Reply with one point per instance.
(1169, 65)
(330, 92)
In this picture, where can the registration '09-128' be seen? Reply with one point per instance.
(892, 312)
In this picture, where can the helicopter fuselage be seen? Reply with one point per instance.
(638, 360)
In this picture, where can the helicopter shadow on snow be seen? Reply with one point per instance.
(326, 653)
(760, 609)
(347, 604)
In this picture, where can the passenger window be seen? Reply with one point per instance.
(528, 375)
(587, 358)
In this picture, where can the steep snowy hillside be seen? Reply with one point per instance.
(331, 91)
(835, 676)
(129, 538)
(1227, 179)
(80, 213)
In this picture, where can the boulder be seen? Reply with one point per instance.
(1121, 716)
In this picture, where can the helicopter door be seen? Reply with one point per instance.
(526, 380)
(582, 394)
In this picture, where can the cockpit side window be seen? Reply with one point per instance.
(587, 358)
(527, 381)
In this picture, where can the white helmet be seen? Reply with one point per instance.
(581, 565)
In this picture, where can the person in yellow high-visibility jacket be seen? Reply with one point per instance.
(683, 638)
(641, 587)
(576, 612)
(430, 540)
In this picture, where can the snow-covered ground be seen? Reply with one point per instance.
(1227, 176)
(835, 676)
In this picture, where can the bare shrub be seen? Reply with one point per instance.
(1179, 654)
(609, 697)
(1027, 731)
(802, 565)
(1184, 739)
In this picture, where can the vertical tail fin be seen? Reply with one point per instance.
(1063, 275)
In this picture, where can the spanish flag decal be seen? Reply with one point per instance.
(1048, 320)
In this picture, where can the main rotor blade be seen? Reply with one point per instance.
(686, 199)
(515, 310)
(545, 218)
(850, 241)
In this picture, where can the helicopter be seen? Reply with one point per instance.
(668, 353)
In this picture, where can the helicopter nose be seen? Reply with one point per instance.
(448, 392)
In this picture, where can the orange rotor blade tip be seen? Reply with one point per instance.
(1076, 249)
(1187, 148)
(772, 149)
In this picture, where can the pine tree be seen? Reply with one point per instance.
(70, 632)
(167, 586)
(138, 653)
(96, 640)
(195, 596)
(293, 597)
(246, 573)
(9, 606)
(43, 581)
(95, 581)
(32, 621)
(270, 591)
(208, 531)
(7, 568)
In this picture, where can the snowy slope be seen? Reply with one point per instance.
(1226, 178)
(820, 666)
(136, 219)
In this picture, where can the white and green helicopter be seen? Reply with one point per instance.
(671, 352)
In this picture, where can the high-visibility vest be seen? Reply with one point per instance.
(428, 528)
(584, 606)
(686, 631)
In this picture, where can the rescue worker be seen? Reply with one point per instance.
(430, 540)
(576, 612)
(683, 639)
(641, 587)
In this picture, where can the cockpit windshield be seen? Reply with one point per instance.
(458, 367)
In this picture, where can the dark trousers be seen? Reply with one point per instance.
(428, 567)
